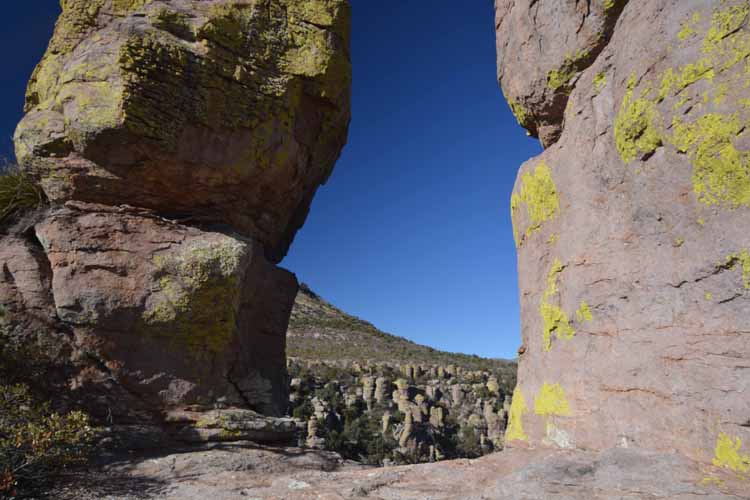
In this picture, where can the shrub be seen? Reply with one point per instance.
(35, 442)
(17, 192)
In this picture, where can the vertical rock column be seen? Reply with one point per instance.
(180, 144)
(633, 226)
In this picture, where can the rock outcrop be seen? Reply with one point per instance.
(420, 419)
(180, 144)
(633, 229)
(227, 111)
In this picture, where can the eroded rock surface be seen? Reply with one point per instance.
(231, 111)
(633, 233)
(180, 144)
(291, 474)
(175, 315)
(542, 47)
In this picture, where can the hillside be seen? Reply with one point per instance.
(320, 331)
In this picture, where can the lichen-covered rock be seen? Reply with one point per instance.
(542, 49)
(230, 111)
(633, 233)
(230, 425)
(176, 316)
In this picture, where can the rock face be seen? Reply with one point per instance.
(180, 144)
(229, 111)
(543, 47)
(633, 229)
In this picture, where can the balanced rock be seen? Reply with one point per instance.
(228, 111)
(166, 311)
(633, 229)
(180, 144)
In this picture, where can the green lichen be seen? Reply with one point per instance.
(727, 454)
(199, 297)
(538, 194)
(554, 319)
(551, 401)
(600, 81)
(518, 409)
(709, 296)
(172, 21)
(637, 126)
(608, 4)
(561, 77)
(122, 7)
(721, 172)
(583, 314)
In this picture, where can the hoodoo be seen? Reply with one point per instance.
(633, 226)
(180, 144)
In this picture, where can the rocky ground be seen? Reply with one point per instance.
(229, 472)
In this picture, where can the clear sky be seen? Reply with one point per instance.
(412, 231)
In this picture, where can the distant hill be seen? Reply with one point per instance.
(319, 330)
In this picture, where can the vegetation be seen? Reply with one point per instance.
(18, 192)
(320, 331)
(36, 443)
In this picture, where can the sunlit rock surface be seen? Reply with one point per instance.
(633, 232)
(180, 144)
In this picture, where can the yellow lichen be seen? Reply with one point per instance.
(518, 409)
(199, 297)
(600, 81)
(554, 319)
(637, 129)
(560, 77)
(522, 116)
(741, 259)
(727, 454)
(723, 23)
(688, 28)
(709, 296)
(721, 172)
(583, 314)
(538, 194)
(551, 401)
(126, 6)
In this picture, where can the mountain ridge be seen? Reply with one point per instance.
(317, 329)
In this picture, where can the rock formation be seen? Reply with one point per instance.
(419, 421)
(633, 226)
(180, 144)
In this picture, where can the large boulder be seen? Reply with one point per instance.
(543, 46)
(230, 111)
(180, 144)
(633, 234)
(175, 315)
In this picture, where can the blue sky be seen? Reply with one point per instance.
(412, 232)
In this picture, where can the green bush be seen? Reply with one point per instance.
(17, 192)
(35, 442)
